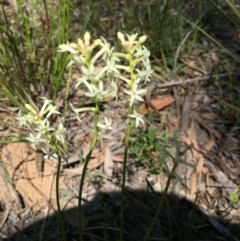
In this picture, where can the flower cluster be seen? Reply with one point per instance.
(38, 123)
(84, 56)
(138, 67)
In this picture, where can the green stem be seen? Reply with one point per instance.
(85, 170)
(129, 128)
(171, 175)
(66, 102)
(60, 217)
(66, 27)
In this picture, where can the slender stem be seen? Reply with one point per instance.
(85, 170)
(66, 27)
(129, 128)
(60, 218)
(171, 175)
(66, 102)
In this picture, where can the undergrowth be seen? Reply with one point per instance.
(147, 144)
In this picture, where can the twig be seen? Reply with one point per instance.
(187, 81)
(5, 216)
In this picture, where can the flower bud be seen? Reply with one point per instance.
(87, 38)
(30, 108)
(81, 44)
(96, 43)
(121, 37)
(142, 39)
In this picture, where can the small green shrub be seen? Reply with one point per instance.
(144, 148)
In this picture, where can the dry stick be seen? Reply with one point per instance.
(5, 215)
(39, 158)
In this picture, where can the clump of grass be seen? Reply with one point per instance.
(160, 20)
(28, 38)
(229, 93)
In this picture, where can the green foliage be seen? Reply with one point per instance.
(30, 66)
(229, 92)
(234, 197)
(144, 148)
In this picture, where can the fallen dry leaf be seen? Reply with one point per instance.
(158, 104)
(214, 57)
(209, 116)
(193, 190)
(162, 103)
(95, 162)
(108, 162)
(97, 158)
(74, 171)
(154, 154)
(201, 122)
(208, 146)
(197, 157)
(88, 139)
(143, 109)
(117, 159)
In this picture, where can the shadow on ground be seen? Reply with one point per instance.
(179, 220)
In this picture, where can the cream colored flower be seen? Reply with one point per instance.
(107, 125)
(138, 117)
(131, 44)
(67, 48)
(134, 93)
